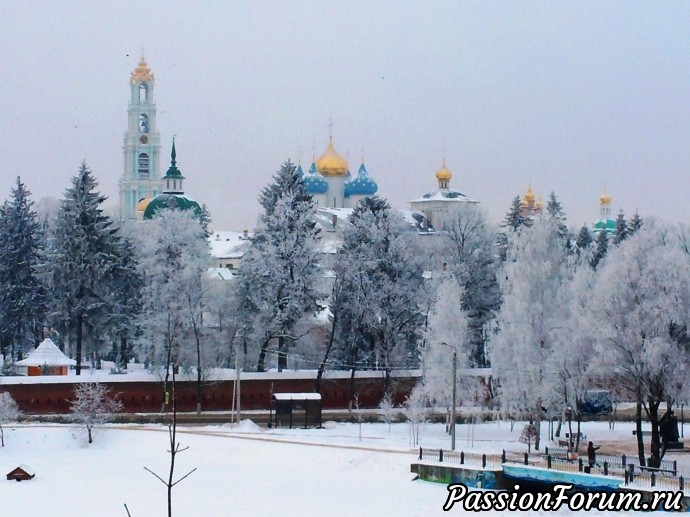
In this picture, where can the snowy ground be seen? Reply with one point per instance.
(243, 470)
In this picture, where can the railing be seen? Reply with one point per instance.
(461, 458)
(615, 462)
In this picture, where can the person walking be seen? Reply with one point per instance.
(592, 454)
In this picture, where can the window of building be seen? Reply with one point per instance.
(143, 168)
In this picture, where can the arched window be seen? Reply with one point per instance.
(143, 92)
(143, 168)
(143, 123)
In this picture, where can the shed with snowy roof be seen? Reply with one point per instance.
(47, 359)
(21, 473)
(294, 409)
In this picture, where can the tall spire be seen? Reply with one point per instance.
(173, 154)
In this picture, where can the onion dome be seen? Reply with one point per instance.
(142, 73)
(143, 203)
(331, 163)
(313, 181)
(528, 197)
(171, 201)
(444, 173)
(362, 185)
(605, 199)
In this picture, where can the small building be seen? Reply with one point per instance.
(21, 473)
(47, 359)
(295, 409)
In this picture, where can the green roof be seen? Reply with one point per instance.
(172, 201)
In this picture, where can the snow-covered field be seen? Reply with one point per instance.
(243, 470)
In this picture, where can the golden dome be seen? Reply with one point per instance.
(529, 195)
(444, 174)
(142, 73)
(539, 203)
(142, 204)
(331, 163)
(605, 199)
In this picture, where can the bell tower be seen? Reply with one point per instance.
(141, 180)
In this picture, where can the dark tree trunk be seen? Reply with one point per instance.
(329, 346)
(638, 432)
(123, 352)
(261, 364)
(282, 353)
(80, 321)
(655, 456)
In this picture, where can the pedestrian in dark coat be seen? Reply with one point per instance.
(592, 454)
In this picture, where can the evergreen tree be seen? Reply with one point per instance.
(601, 248)
(556, 212)
(513, 218)
(621, 229)
(584, 238)
(635, 224)
(84, 265)
(280, 271)
(22, 295)
(382, 289)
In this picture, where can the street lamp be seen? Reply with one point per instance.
(455, 382)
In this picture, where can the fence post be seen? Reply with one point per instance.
(681, 483)
(462, 457)
(579, 464)
(484, 461)
(626, 476)
(546, 451)
(526, 459)
(632, 473)
(440, 455)
(653, 479)
(503, 456)
(606, 468)
(623, 459)
(548, 462)
(420, 453)
(675, 467)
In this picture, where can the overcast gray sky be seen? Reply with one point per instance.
(572, 96)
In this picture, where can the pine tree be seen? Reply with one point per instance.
(83, 262)
(584, 238)
(280, 272)
(621, 229)
(22, 295)
(602, 247)
(382, 284)
(513, 218)
(555, 211)
(635, 224)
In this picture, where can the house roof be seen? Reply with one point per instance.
(47, 353)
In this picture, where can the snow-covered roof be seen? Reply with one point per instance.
(220, 273)
(297, 396)
(47, 353)
(445, 194)
(229, 244)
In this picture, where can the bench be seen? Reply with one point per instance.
(658, 470)
(644, 433)
(583, 436)
(563, 443)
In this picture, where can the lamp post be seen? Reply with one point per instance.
(455, 382)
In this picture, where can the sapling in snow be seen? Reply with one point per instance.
(93, 406)
(9, 412)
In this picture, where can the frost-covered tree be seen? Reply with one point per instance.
(513, 218)
(22, 294)
(382, 289)
(470, 251)
(555, 210)
(174, 262)
(530, 321)
(635, 224)
(621, 229)
(280, 272)
(601, 248)
(584, 238)
(93, 406)
(638, 304)
(9, 412)
(84, 263)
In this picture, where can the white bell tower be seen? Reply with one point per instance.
(141, 180)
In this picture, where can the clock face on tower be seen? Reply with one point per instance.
(144, 139)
